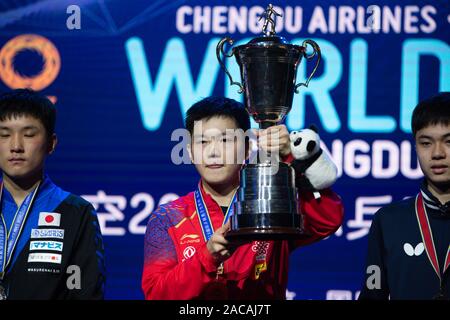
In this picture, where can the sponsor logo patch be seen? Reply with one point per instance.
(47, 233)
(45, 257)
(190, 238)
(46, 245)
(411, 251)
(188, 252)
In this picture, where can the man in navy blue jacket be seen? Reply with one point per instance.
(408, 255)
(50, 242)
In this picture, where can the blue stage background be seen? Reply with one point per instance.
(129, 69)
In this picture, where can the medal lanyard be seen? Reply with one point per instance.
(203, 213)
(427, 237)
(9, 239)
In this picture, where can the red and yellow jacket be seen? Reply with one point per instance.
(178, 265)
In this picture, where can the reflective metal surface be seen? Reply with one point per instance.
(266, 206)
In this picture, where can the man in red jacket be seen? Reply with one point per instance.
(183, 261)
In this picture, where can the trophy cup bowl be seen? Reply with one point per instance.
(267, 203)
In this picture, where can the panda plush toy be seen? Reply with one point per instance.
(315, 170)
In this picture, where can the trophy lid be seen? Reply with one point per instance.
(268, 46)
(271, 41)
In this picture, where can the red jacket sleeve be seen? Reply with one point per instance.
(321, 217)
(164, 277)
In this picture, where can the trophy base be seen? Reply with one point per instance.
(248, 227)
(266, 234)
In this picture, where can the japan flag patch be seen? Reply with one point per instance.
(49, 219)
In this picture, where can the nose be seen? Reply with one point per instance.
(214, 149)
(16, 144)
(438, 151)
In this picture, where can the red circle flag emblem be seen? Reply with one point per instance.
(49, 219)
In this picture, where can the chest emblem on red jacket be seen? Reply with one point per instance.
(189, 238)
(188, 252)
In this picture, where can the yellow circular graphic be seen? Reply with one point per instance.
(50, 56)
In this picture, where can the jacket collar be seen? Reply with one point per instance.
(45, 188)
(432, 202)
(210, 203)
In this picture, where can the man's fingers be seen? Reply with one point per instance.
(227, 226)
(221, 252)
(219, 247)
(219, 239)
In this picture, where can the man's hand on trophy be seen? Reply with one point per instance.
(219, 247)
(275, 139)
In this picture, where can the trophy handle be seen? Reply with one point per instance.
(220, 50)
(316, 49)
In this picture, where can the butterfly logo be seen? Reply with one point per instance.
(411, 251)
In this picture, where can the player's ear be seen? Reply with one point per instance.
(52, 142)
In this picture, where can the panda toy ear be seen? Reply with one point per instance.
(314, 128)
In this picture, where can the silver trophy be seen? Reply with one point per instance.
(267, 203)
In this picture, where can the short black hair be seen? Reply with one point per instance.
(432, 111)
(26, 102)
(217, 107)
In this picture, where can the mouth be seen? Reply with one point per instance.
(215, 166)
(16, 160)
(439, 169)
